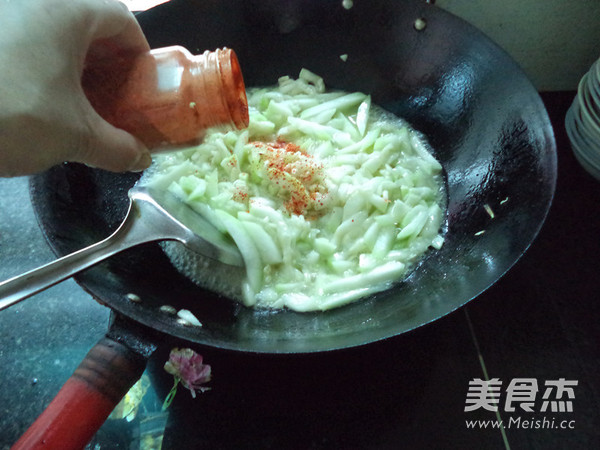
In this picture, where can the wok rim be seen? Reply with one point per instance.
(146, 318)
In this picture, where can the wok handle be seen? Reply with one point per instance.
(86, 399)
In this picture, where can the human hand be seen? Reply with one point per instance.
(45, 118)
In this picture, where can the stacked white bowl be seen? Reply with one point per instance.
(582, 121)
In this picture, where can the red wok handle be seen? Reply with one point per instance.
(87, 398)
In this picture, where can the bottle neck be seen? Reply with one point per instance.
(219, 85)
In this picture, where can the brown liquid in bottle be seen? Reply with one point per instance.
(168, 97)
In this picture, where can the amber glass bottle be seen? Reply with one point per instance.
(168, 97)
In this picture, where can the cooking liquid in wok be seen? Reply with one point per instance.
(328, 197)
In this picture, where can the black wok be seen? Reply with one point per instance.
(482, 116)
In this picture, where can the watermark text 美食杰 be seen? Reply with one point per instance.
(521, 395)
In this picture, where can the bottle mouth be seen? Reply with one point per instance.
(234, 87)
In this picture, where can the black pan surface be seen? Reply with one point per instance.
(482, 116)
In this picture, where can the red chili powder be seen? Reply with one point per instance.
(296, 173)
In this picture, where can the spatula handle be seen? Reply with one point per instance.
(23, 286)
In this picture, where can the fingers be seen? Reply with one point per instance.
(114, 22)
(44, 44)
(106, 147)
(114, 30)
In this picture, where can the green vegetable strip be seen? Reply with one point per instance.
(344, 212)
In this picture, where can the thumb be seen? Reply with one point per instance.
(110, 148)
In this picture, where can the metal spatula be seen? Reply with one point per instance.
(153, 216)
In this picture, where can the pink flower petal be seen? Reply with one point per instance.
(187, 365)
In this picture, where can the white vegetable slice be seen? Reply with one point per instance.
(246, 247)
(269, 252)
(343, 212)
(385, 273)
(362, 117)
(415, 226)
(437, 242)
(340, 103)
(189, 317)
(363, 144)
(278, 112)
(312, 129)
(312, 78)
(162, 179)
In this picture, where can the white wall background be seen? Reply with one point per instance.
(554, 41)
